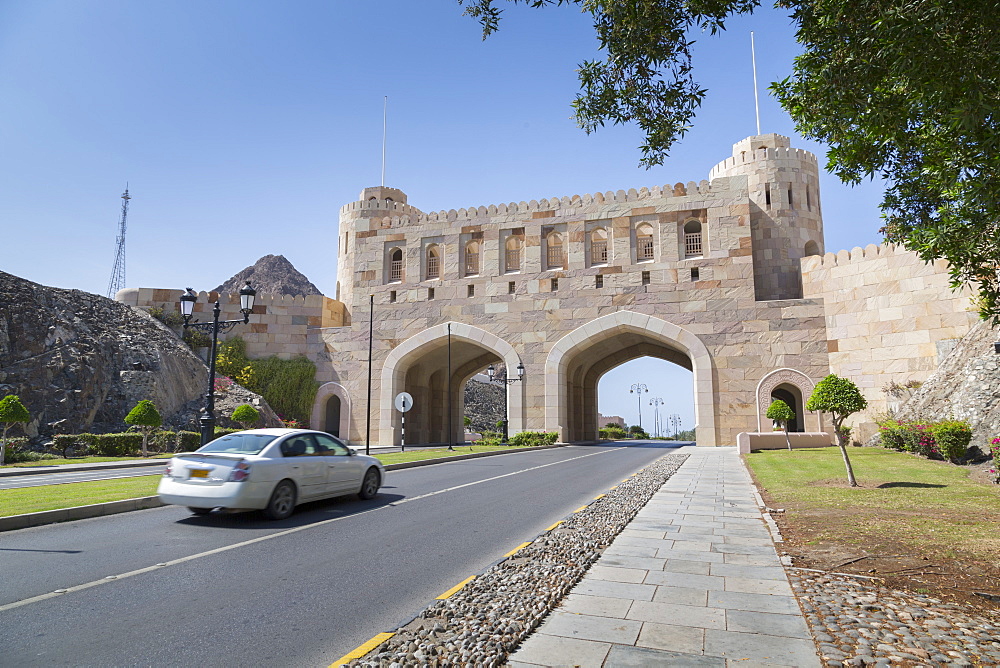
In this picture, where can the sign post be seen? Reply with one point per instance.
(403, 402)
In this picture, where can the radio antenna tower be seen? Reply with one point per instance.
(117, 281)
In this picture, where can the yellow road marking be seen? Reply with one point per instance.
(554, 525)
(580, 508)
(362, 649)
(517, 549)
(454, 589)
(599, 496)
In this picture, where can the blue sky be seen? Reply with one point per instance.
(243, 126)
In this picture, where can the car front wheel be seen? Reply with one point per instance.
(282, 501)
(370, 485)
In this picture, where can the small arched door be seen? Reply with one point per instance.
(792, 397)
(332, 421)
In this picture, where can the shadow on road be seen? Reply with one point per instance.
(305, 514)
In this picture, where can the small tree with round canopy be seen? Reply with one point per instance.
(146, 418)
(246, 415)
(841, 398)
(781, 413)
(12, 412)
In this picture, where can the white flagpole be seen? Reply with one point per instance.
(385, 107)
(756, 102)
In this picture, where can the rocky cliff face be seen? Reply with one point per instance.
(272, 274)
(79, 362)
(966, 386)
(483, 405)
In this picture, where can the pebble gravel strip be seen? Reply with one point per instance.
(857, 622)
(486, 620)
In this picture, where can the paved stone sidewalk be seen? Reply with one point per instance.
(693, 581)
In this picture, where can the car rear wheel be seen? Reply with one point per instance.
(282, 501)
(370, 485)
(199, 511)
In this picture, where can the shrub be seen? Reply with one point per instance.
(116, 445)
(952, 438)
(289, 386)
(146, 418)
(65, 443)
(246, 415)
(534, 438)
(492, 439)
(612, 432)
(12, 412)
(187, 441)
(995, 452)
(168, 318)
(195, 338)
(892, 435)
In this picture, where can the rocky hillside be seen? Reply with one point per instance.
(272, 274)
(79, 362)
(965, 387)
(483, 405)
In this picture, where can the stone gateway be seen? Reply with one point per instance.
(726, 277)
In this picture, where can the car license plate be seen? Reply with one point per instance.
(199, 473)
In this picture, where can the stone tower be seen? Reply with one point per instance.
(375, 209)
(785, 220)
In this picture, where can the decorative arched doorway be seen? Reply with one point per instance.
(331, 410)
(794, 388)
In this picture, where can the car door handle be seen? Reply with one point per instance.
(333, 466)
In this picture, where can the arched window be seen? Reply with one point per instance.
(644, 243)
(396, 265)
(553, 251)
(433, 262)
(812, 248)
(389, 200)
(472, 258)
(692, 239)
(512, 254)
(599, 246)
(373, 199)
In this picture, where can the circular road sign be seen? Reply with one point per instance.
(403, 402)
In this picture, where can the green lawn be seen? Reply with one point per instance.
(53, 497)
(903, 499)
(436, 453)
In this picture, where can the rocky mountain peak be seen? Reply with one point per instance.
(272, 274)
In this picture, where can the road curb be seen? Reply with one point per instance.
(142, 503)
(81, 468)
(78, 513)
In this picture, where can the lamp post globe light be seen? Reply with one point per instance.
(505, 382)
(188, 299)
(639, 388)
(656, 402)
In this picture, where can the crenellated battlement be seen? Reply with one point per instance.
(760, 154)
(856, 254)
(411, 215)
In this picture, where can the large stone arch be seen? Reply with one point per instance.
(472, 350)
(619, 337)
(799, 383)
(318, 415)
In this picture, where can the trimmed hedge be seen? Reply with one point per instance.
(534, 438)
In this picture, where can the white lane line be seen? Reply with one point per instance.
(260, 539)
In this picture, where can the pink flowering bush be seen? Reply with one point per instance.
(947, 439)
(995, 451)
(223, 384)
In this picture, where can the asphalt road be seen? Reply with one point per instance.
(36, 480)
(240, 590)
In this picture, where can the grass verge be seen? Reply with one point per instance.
(438, 453)
(904, 501)
(85, 460)
(53, 497)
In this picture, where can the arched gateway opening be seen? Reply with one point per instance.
(578, 360)
(420, 365)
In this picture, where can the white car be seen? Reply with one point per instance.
(268, 469)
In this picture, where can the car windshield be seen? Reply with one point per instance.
(240, 444)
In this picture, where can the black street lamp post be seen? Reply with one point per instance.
(505, 382)
(188, 299)
(639, 388)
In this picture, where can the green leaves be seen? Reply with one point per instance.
(12, 410)
(838, 396)
(780, 411)
(144, 415)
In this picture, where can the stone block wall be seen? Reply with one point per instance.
(887, 314)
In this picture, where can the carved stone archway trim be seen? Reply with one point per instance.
(318, 415)
(766, 386)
